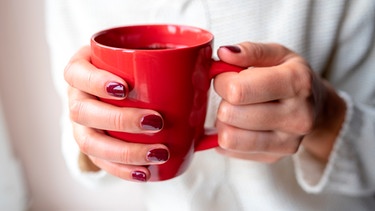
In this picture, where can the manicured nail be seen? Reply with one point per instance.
(232, 48)
(152, 122)
(158, 155)
(139, 176)
(116, 89)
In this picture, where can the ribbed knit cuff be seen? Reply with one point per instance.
(315, 176)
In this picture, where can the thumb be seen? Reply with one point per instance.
(249, 54)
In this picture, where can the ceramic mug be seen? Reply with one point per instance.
(168, 69)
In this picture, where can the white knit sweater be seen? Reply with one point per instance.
(336, 37)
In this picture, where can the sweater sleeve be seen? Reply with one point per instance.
(350, 168)
(64, 39)
(77, 162)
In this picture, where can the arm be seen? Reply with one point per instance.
(351, 70)
(334, 149)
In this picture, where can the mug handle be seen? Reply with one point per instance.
(210, 139)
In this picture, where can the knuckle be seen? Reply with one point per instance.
(305, 127)
(235, 93)
(84, 142)
(91, 80)
(118, 120)
(283, 50)
(255, 50)
(224, 112)
(125, 157)
(69, 70)
(288, 145)
(302, 80)
(76, 108)
(73, 71)
(258, 50)
(228, 140)
(305, 124)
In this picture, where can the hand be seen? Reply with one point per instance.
(275, 104)
(91, 116)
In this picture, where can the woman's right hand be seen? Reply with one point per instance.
(90, 117)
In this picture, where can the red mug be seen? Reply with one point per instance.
(169, 69)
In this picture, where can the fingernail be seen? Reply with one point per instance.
(232, 48)
(116, 89)
(139, 176)
(152, 122)
(158, 155)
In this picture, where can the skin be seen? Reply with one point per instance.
(268, 111)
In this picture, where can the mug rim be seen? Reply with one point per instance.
(209, 36)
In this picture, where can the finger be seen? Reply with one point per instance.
(251, 54)
(81, 74)
(99, 145)
(87, 110)
(238, 140)
(287, 116)
(255, 85)
(258, 157)
(275, 73)
(126, 172)
(259, 117)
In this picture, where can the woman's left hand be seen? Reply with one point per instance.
(274, 105)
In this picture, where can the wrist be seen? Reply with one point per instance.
(319, 143)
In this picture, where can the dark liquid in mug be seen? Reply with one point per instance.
(160, 47)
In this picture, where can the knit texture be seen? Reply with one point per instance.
(337, 39)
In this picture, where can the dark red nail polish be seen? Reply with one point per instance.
(139, 175)
(158, 155)
(152, 122)
(232, 48)
(116, 89)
